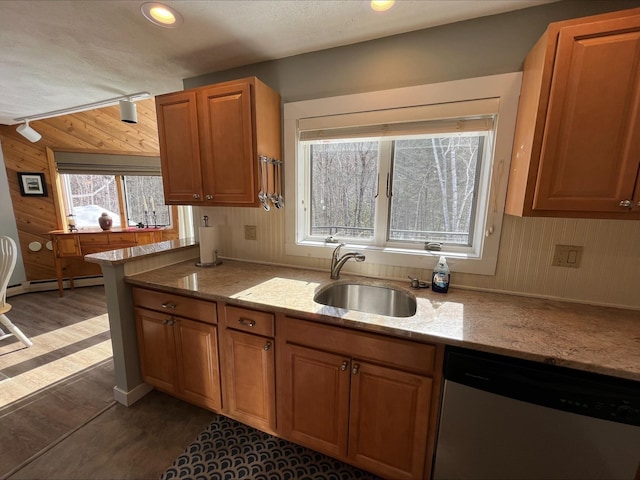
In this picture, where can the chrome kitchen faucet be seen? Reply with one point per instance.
(337, 262)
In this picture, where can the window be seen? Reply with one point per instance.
(88, 196)
(407, 174)
(128, 188)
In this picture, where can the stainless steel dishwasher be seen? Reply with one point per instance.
(504, 418)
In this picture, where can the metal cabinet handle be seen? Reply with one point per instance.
(169, 321)
(169, 306)
(246, 322)
(267, 346)
(344, 366)
(626, 203)
(209, 197)
(196, 196)
(355, 369)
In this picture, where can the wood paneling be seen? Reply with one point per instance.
(97, 130)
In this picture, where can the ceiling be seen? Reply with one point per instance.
(65, 53)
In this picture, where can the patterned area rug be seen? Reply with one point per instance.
(230, 450)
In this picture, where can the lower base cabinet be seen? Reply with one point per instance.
(249, 379)
(366, 399)
(179, 355)
(358, 397)
(248, 362)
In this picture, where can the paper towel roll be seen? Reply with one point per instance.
(208, 244)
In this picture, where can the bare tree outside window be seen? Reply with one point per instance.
(89, 196)
(434, 183)
(433, 188)
(92, 195)
(343, 183)
(145, 193)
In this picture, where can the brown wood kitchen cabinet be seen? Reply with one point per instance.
(248, 365)
(210, 140)
(364, 398)
(178, 345)
(577, 142)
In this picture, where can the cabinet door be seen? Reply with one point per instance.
(315, 399)
(197, 363)
(389, 420)
(67, 246)
(145, 238)
(229, 160)
(157, 349)
(179, 147)
(250, 379)
(591, 144)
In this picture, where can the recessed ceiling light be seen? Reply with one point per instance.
(161, 15)
(382, 5)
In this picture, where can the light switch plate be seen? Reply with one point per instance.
(567, 256)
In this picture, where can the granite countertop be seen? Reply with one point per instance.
(597, 339)
(124, 255)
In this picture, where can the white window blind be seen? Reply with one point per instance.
(460, 117)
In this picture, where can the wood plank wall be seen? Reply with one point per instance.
(94, 130)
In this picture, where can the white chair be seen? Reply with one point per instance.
(8, 256)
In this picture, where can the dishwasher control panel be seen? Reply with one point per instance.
(562, 388)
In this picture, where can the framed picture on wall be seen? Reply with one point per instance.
(32, 184)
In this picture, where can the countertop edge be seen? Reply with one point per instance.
(130, 254)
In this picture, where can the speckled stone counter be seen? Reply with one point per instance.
(597, 339)
(124, 255)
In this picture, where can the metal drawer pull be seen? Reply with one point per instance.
(344, 366)
(169, 306)
(355, 369)
(196, 196)
(246, 322)
(169, 321)
(267, 346)
(625, 203)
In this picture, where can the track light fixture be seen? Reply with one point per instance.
(27, 132)
(128, 113)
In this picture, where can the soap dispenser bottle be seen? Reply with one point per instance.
(440, 277)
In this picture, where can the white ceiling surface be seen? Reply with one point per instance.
(66, 53)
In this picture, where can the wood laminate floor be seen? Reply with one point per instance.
(58, 419)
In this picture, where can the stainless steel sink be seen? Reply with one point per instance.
(377, 299)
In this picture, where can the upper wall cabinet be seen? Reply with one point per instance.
(577, 142)
(210, 140)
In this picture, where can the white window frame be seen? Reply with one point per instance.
(505, 88)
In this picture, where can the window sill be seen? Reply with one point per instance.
(417, 259)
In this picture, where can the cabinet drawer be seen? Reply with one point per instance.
(404, 354)
(252, 321)
(177, 305)
(126, 239)
(94, 239)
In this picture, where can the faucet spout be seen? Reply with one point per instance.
(338, 261)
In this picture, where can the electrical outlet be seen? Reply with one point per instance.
(250, 232)
(567, 256)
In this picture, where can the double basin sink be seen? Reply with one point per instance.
(376, 299)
